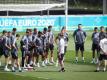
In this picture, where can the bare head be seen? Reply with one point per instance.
(102, 28)
(44, 30)
(79, 26)
(35, 30)
(95, 29)
(49, 28)
(4, 32)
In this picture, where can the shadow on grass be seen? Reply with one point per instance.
(79, 63)
(84, 71)
(47, 71)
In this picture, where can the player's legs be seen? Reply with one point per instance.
(37, 59)
(93, 56)
(41, 52)
(99, 62)
(61, 62)
(23, 59)
(18, 64)
(34, 59)
(77, 50)
(93, 53)
(82, 51)
(52, 54)
(46, 55)
(6, 54)
(30, 58)
(99, 65)
(15, 60)
(57, 61)
(105, 65)
(98, 51)
(13, 63)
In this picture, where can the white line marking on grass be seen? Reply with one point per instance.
(34, 77)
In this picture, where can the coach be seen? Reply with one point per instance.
(79, 39)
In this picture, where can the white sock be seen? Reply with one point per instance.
(93, 59)
(76, 58)
(52, 59)
(42, 62)
(34, 63)
(47, 60)
(0, 63)
(38, 65)
(98, 68)
(6, 66)
(97, 60)
(28, 65)
(31, 62)
(104, 69)
(83, 58)
(19, 68)
(56, 63)
(13, 68)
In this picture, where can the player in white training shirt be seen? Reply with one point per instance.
(61, 47)
(103, 55)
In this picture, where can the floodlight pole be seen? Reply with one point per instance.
(66, 14)
(7, 13)
(104, 6)
(48, 9)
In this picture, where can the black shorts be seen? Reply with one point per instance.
(79, 47)
(35, 52)
(14, 54)
(6, 53)
(51, 46)
(40, 51)
(102, 57)
(29, 52)
(61, 57)
(95, 47)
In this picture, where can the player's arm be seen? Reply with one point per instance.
(67, 36)
(85, 36)
(74, 36)
(56, 39)
(53, 39)
(34, 41)
(6, 44)
(14, 44)
(101, 47)
(23, 40)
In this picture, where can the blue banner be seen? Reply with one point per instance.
(24, 22)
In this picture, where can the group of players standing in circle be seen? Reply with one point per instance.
(36, 43)
(32, 45)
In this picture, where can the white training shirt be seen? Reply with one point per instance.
(103, 45)
(61, 46)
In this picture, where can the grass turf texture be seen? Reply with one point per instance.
(80, 71)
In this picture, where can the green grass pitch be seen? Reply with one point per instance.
(80, 71)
